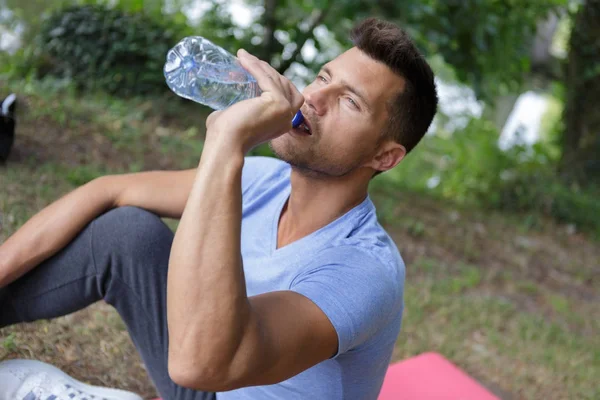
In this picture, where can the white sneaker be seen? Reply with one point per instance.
(35, 380)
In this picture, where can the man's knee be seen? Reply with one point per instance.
(133, 229)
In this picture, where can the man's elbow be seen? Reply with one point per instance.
(197, 376)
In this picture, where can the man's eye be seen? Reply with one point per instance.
(321, 78)
(353, 103)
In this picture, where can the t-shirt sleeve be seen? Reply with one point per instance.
(359, 294)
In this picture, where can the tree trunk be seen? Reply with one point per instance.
(269, 45)
(581, 139)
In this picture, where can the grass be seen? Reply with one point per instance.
(511, 301)
(489, 332)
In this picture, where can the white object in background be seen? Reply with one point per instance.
(523, 124)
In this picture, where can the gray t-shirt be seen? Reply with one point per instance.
(350, 268)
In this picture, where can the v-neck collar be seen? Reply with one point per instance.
(282, 200)
(309, 240)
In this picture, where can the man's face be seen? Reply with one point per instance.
(346, 107)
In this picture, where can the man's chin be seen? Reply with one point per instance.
(284, 150)
(277, 151)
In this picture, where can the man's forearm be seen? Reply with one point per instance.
(52, 229)
(207, 305)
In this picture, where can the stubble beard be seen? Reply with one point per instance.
(314, 160)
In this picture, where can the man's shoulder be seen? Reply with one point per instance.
(373, 253)
(364, 262)
(369, 243)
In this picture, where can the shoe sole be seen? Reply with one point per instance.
(106, 393)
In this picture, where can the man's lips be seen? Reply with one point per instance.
(307, 125)
(300, 130)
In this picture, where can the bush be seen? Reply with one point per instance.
(538, 189)
(105, 48)
(469, 168)
(465, 166)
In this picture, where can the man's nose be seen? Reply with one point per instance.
(318, 99)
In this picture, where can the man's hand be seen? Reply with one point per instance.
(251, 122)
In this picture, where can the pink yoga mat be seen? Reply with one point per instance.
(430, 376)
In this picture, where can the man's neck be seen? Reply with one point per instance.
(314, 203)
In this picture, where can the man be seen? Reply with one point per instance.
(279, 282)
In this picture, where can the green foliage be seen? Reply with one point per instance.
(466, 164)
(217, 26)
(538, 189)
(104, 48)
(488, 42)
(469, 168)
(551, 123)
(121, 49)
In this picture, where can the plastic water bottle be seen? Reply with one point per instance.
(201, 71)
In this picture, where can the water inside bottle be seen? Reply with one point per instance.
(198, 70)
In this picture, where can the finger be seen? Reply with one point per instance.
(265, 75)
(287, 88)
(293, 95)
(283, 86)
(298, 101)
(257, 64)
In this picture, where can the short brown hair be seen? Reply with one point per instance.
(412, 110)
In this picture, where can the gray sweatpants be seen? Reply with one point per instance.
(122, 257)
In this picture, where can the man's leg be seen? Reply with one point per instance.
(121, 257)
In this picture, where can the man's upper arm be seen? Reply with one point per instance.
(289, 334)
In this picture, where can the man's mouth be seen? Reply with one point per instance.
(305, 127)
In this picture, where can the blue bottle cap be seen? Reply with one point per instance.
(298, 119)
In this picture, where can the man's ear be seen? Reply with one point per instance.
(387, 156)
